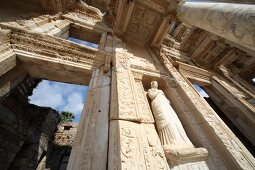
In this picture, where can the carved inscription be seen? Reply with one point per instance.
(153, 152)
(126, 98)
(135, 146)
(130, 152)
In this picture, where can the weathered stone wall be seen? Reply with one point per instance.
(25, 129)
(58, 156)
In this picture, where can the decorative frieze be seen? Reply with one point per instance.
(53, 47)
(195, 74)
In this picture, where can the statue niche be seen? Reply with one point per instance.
(177, 146)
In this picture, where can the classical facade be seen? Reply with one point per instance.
(142, 111)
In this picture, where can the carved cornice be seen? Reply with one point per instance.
(147, 70)
(174, 54)
(90, 11)
(54, 47)
(194, 73)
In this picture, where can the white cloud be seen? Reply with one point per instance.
(60, 96)
(47, 95)
(74, 103)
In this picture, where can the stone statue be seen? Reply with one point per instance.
(172, 135)
(169, 126)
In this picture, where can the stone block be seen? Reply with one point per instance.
(134, 146)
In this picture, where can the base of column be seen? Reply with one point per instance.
(181, 156)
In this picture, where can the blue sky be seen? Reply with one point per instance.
(60, 96)
(83, 42)
(201, 91)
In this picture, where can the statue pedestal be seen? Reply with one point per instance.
(181, 156)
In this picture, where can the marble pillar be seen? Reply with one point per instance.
(235, 22)
(90, 148)
(235, 106)
(226, 151)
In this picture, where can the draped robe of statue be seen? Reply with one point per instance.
(170, 129)
(176, 144)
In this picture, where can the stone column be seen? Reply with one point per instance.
(235, 22)
(91, 143)
(225, 149)
(235, 106)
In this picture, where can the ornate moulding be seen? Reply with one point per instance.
(146, 77)
(147, 71)
(5, 48)
(174, 54)
(53, 47)
(79, 17)
(196, 74)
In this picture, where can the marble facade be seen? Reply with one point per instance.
(175, 43)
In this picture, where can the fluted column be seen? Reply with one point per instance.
(235, 22)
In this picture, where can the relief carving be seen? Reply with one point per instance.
(127, 108)
(143, 22)
(53, 48)
(130, 152)
(142, 104)
(135, 146)
(155, 158)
